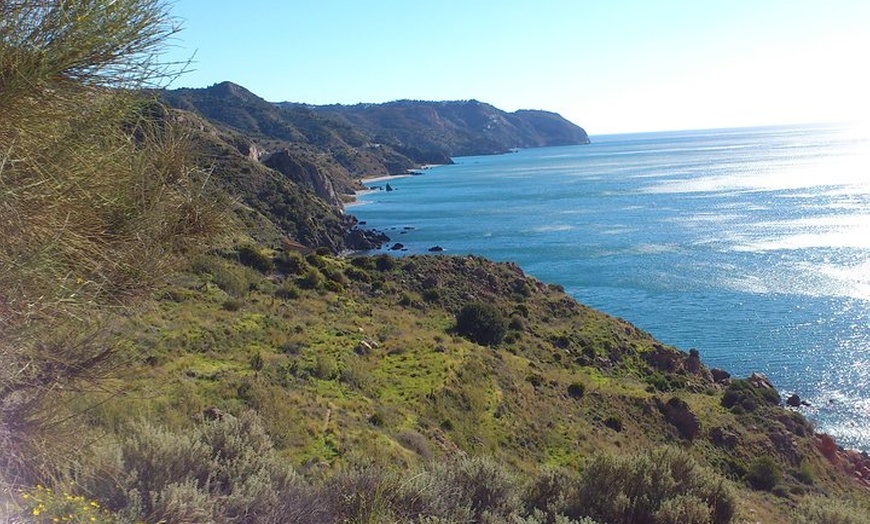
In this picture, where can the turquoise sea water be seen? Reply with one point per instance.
(751, 245)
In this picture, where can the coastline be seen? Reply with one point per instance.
(354, 199)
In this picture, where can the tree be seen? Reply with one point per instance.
(482, 323)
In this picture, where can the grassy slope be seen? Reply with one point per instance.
(226, 336)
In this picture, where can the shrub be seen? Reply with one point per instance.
(255, 258)
(829, 511)
(291, 262)
(482, 323)
(362, 262)
(325, 367)
(312, 279)
(576, 390)
(764, 473)
(357, 274)
(482, 485)
(613, 422)
(232, 304)
(100, 201)
(288, 290)
(650, 488)
(222, 470)
(385, 262)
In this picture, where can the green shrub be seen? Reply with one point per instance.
(233, 279)
(220, 470)
(576, 390)
(316, 260)
(805, 473)
(385, 262)
(255, 257)
(829, 511)
(291, 263)
(100, 202)
(646, 488)
(325, 367)
(614, 422)
(312, 279)
(482, 323)
(232, 304)
(764, 473)
(288, 290)
(357, 274)
(362, 262)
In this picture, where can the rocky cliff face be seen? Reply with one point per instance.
(304, 173)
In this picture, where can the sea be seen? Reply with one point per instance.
(750, 245)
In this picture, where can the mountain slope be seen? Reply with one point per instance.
(372, 139)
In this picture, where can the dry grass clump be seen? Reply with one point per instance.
(97, 201)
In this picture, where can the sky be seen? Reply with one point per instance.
(612, 66)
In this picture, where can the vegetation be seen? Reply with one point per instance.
(97, 200)
(482, 323)
(219, 367)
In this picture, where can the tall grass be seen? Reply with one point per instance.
(97, 203)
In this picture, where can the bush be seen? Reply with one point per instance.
(654, 487)
(764, 473)
(576, 390)
(222, 470)
(385, 262)
(829, 511)
(100, 201)
(255, 258)
(482, 323)
(291, 262)
(312, 279)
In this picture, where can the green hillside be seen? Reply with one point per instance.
(183, 342)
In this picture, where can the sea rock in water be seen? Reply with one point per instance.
(397, 246)
(436, 249)
(794, 401)
(364, 239)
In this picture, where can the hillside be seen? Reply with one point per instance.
(182, 342)
(361, 363)
(429, 132)
(262, 380)
(349, 142)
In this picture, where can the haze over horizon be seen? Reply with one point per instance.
(610, 67)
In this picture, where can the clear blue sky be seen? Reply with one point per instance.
(609, 66)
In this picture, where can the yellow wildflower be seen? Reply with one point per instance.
(36, 511)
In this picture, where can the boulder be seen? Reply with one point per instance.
(678, 414)
(760, 381)
(724, 437)
(364, 239)
(793, 401)
(720, 376)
